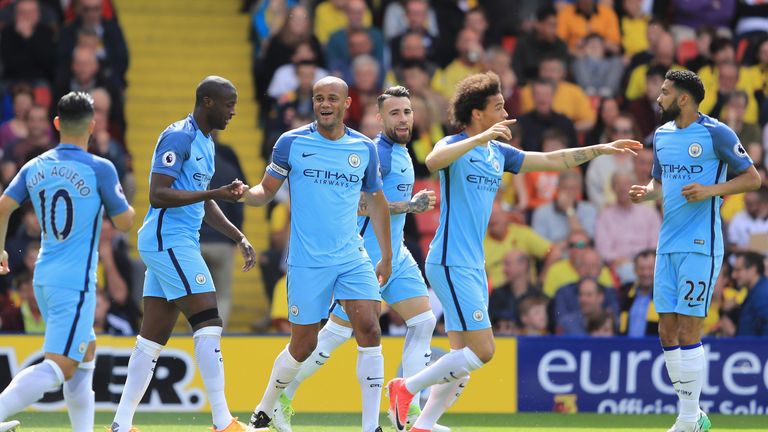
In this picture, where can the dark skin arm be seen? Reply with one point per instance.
(161, 195)
(216, 219)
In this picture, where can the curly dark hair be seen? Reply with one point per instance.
(395, 91)
(472, 93)
(687, 81)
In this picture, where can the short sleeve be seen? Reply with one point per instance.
(279, 167)
(110, 189)
(17, 189)
(372, 179)
(729, 149)
(513, 158)
(656, 170)
(385, 159)
(170, 154)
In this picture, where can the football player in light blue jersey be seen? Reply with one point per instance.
(471, 164)
(328, 165)
(692, 155)
(177, 279)
(406, 291)
(68, 187)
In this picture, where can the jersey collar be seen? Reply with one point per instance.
(65, 146)
(384, 139)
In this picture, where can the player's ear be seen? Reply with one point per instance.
(56, 123)
(347, 102)
(91, 126)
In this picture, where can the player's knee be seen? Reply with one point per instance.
(668, 336)
(301, 351)
(485, 354)
(368, 332)
(206, 318)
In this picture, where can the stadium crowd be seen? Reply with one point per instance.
(567, 253)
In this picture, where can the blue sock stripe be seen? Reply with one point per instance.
(690, 347)
(670, 348)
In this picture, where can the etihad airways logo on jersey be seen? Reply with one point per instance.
(482, 182)
(680, 171)
(202, 179)
(331, 178)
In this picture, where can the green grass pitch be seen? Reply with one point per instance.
(308, 422)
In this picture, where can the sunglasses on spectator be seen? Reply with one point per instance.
(581, 244)
(624, 130)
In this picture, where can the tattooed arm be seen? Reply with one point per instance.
(568, 158)
(422, 201)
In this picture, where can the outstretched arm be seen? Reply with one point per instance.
(162, 195)
(443, 155)
(568, 158)
(422, 201)
(263, 192)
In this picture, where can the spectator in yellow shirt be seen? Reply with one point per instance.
(563, 272)
(574, 21)
(331, 15)
(634, 28)
(663, 55)
(467, 63)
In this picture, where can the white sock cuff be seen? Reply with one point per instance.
(56, 370)
(420, 318)
(691, 352)
(208, 331)
(369, 351)
(473, 360)
(338, 329)
(147, 346)
(292, 362)
(89, 365)
(671, 353)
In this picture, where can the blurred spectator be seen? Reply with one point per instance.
(417, 79)
(427, 129)
(30, 311)
(116, 266)
(38, 140)
(217, 249)
(575, 21)
(542, 42)
(27, 48)
(267, 17)
(108, 323)
(569, 99)
(412, 52)
(602, 324)
(27, 234)
(597, 74)
(292, 108)
(692, 14)
(286, 78)
(16, 127)
(751, 17)
(338, 48)
(607, 113)
(625, 229)
(599, 172)
(729, 79)
(10, 313)
(468, 62)
(364, 89)
(85, 75)
(543, 117)
(505, 298)
(733, 113)
(359, 45)
(369, 125)
(331, 15)
(638, 314)
(704, 37)
(590, 300)
(398, 20)
(113, 52)
(663, 55)
(750, 222)
(281, 47)
(102, 144)
(567, 213)
(634, 27)
(499, 61)
(656, 27)
(416, 21)
(582, 262)
(645, 110)
(533, 316)
(642, 165)
(541, 186)
(503, 237)
(749, 271)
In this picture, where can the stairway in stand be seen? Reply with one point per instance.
(173, 44)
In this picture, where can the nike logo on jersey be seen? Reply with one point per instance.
(404, 170)
(473, 160)
(308, 154)
(216, 350)
(198, 158)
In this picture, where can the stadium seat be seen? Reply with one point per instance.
(686, 50)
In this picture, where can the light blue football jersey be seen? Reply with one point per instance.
(68, 186)
(701, 153)
(325, 179)
(468, 187)
(186, 154)
(398, 178)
